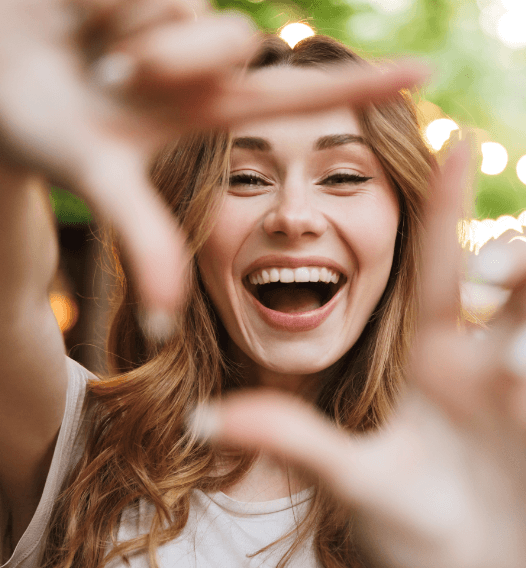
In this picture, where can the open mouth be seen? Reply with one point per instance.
(294, 296)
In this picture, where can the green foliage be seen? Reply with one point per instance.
(68, 208)
(506, 197)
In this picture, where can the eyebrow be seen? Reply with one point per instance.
(252, 143)
(323, 143)
(326, 142)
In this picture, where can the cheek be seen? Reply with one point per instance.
(217, 257)
(370, 231)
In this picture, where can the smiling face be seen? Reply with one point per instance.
(303, 246)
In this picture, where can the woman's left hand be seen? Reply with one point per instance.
(443, 484)
(93, 89)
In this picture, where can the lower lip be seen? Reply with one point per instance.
(300, 321)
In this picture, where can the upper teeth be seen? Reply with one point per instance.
(286, 275)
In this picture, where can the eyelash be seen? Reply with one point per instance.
(334, 179)
(342, 178)
(246, 179)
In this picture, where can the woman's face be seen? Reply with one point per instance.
(302, 249)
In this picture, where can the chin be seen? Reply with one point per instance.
(296, 360)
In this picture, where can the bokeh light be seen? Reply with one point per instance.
(513, 4)
(521, 169)
(511, 29)
(65, 310)
(392, 6)
(473, 234)
(294, 33)
(505, 20)
(489, 17)
(494, 158)
(438, 131)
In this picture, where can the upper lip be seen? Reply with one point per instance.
(279, 261)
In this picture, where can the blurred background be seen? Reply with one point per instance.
(478, 48)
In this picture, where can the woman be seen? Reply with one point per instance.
(354, 232)
(357, 233)
(155, 468)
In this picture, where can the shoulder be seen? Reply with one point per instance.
(69, 446)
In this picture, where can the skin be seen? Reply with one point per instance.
(291, 207)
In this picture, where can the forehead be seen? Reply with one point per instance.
(303, 130)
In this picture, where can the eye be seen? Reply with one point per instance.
(344, 178)
(248, 180)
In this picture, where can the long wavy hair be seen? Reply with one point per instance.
(138, 446)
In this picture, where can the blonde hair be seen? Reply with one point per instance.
(138, 447)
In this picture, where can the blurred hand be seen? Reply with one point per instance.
(92, 88)
(443, 485)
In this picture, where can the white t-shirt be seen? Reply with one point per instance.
(220, 531)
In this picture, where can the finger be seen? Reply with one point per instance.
(458, 373)
(91, 9)
(295, 91)
(514, 360)
(441, 250)
(501, 266)
(455, 370)
(515, 313)
(94, 17)
(179, 53)
(134, 17)
(114, 182)
(127, 16)
(102, 24)
(478, 378)
(506, 264)
(289, 429)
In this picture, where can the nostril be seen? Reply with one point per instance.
(295, 221)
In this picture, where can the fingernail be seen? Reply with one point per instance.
(516, 361)
(203, 421)
(158, 326)
(113, 70)
(494, 264)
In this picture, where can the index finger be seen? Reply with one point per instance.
(440, 296)
(300, 90)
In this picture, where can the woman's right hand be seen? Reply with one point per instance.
(92, 88)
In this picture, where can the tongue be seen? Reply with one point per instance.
(292, 300)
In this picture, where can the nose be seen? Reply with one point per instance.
(294, 215)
